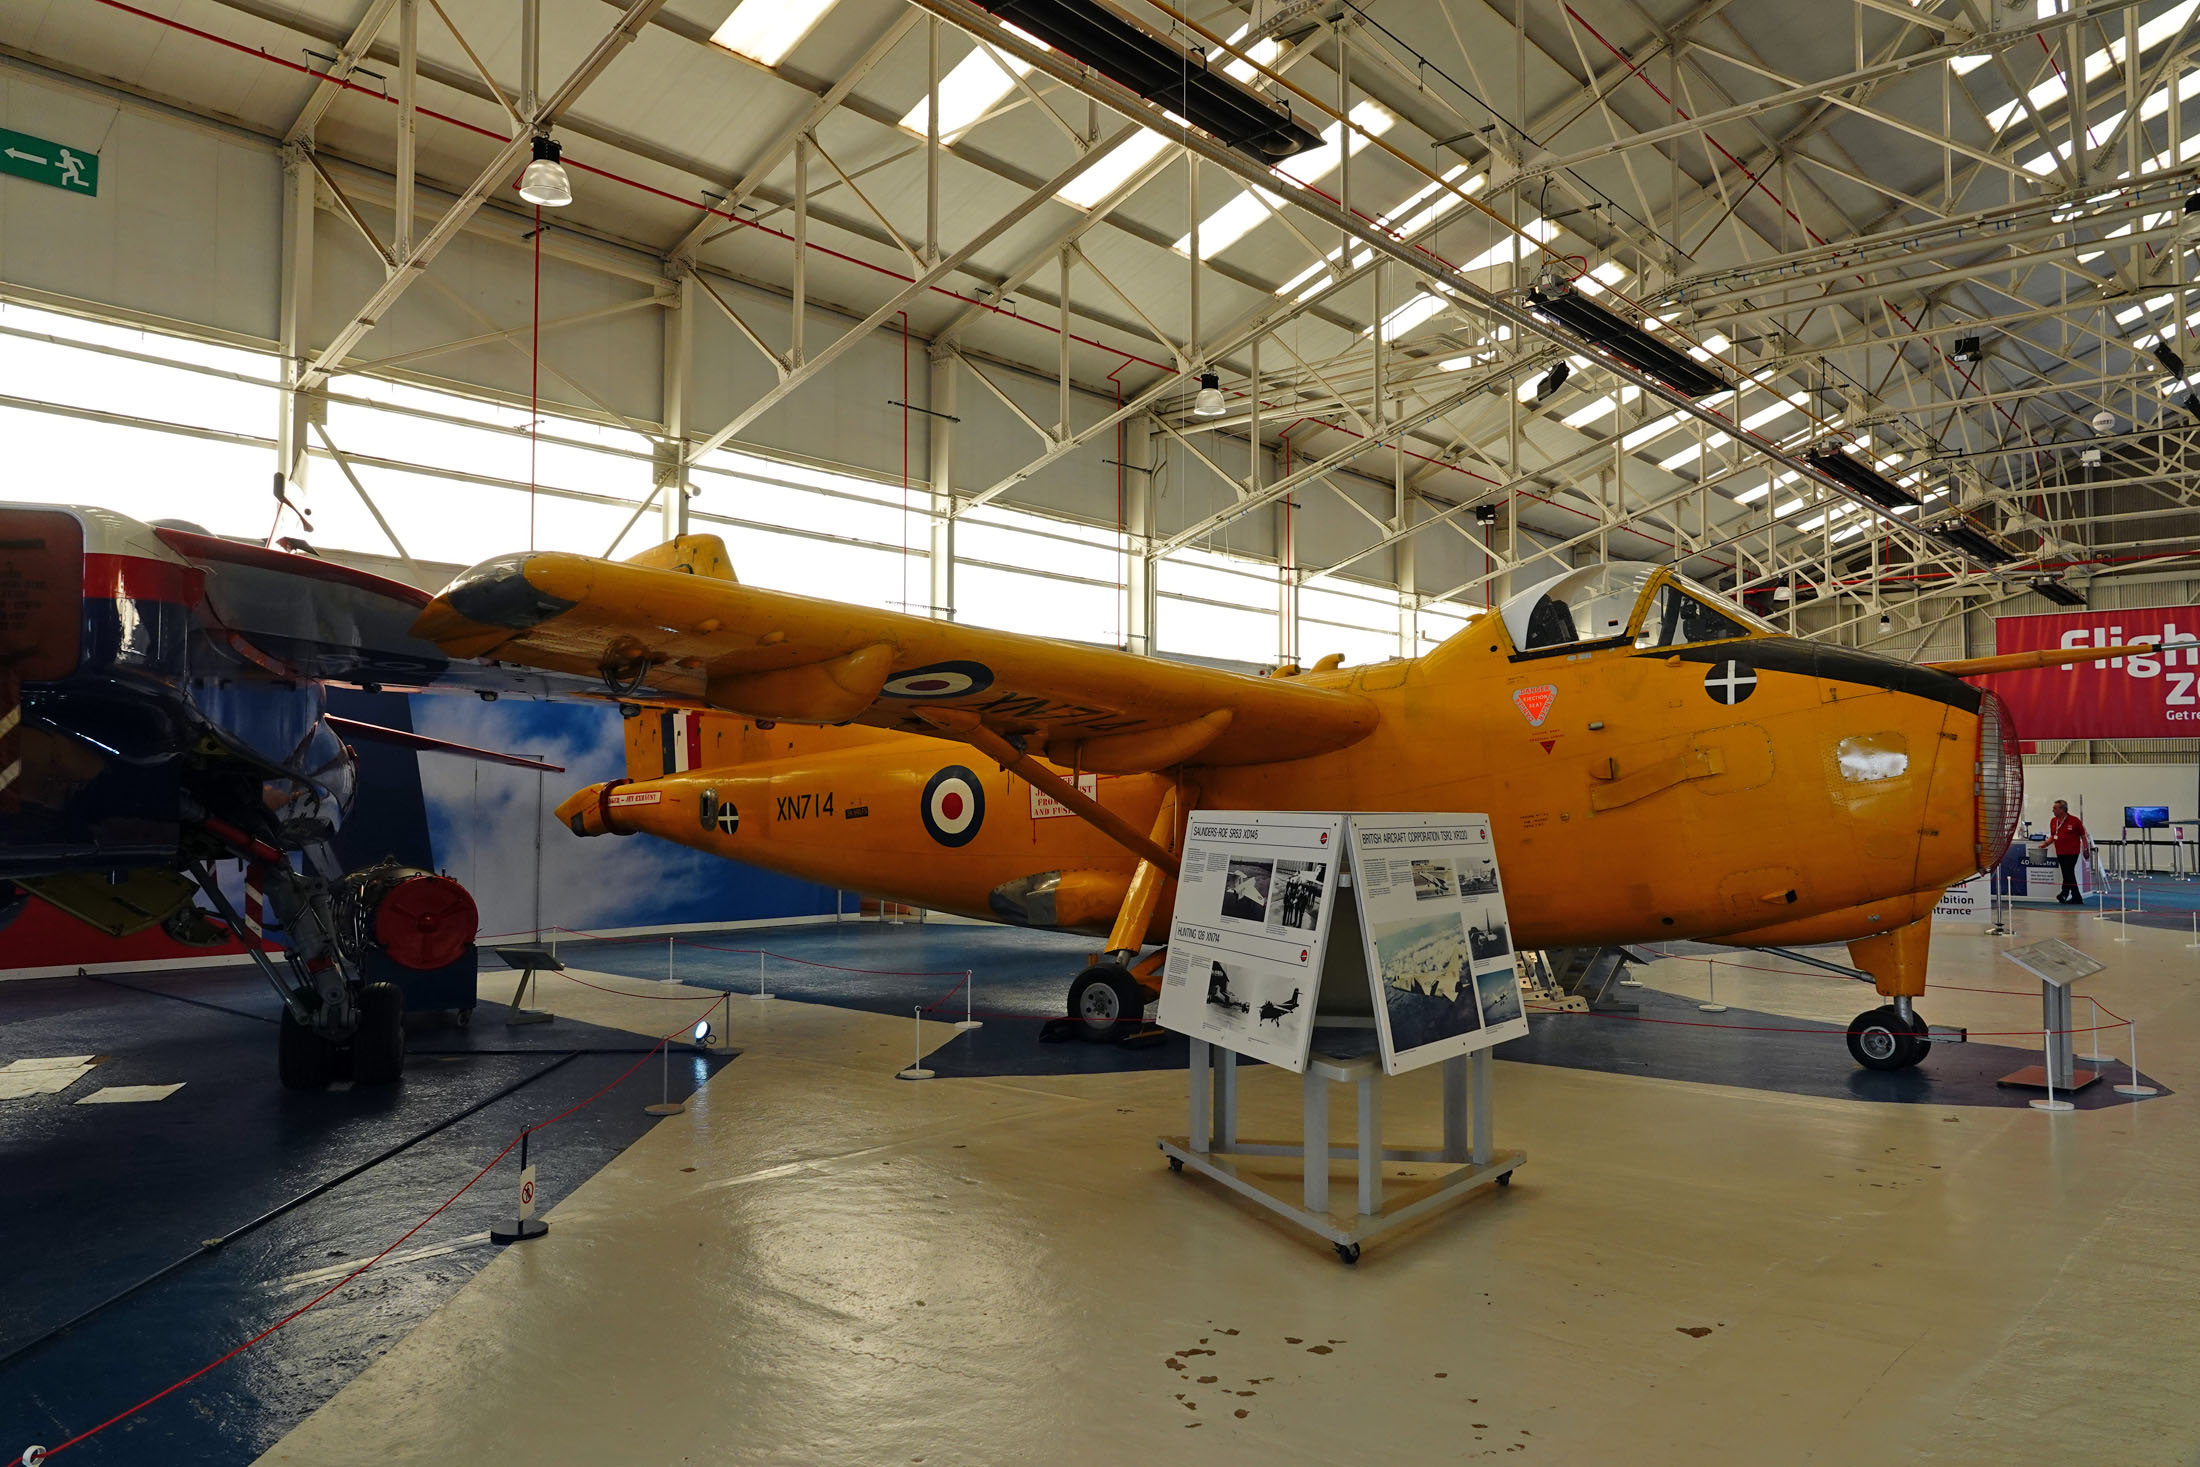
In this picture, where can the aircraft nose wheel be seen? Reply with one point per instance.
(1106, 1004)
(1882, 1039)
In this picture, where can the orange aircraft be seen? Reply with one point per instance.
(1656, 762)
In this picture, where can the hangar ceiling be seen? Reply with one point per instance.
(1949, 238)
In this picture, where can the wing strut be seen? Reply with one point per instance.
(1088, 809)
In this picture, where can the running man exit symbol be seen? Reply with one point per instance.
(41, 160)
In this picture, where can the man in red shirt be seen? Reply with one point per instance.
(2066, 833)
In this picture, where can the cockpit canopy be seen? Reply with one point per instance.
(1600, 605)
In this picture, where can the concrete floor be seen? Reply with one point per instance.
(819, 1264)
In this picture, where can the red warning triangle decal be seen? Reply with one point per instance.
(1548, 744)
(1535, 703)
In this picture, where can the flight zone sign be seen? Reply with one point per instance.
(43, 161)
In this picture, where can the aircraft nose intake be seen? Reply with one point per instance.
(2000, 782)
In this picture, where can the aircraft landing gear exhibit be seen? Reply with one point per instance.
(1107, 1002)
(1892, 1037)
(342, 1019)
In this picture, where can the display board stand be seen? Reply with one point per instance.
(1214, 1150)
(2058, 966)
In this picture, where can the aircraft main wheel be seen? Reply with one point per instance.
(303, 1059)
(1881, 1039)
(378, 1048)
(1107, 1004)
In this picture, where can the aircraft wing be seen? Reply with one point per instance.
(679, 629)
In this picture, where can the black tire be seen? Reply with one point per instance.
(1176, 1163)
(378, 1047)
(1881, 1039)
(1349, 1252)
(1107, 1004)
(1504, 1179)
(303, 1059)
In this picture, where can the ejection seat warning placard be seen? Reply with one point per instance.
(1252, 914)
(1439, 946)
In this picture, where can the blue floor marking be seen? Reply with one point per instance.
(101, 1196)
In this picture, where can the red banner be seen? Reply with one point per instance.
(2146, 696)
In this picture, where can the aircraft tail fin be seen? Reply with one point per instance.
(698, 555)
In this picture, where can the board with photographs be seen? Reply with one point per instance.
(1439, 945)
(1246, 942)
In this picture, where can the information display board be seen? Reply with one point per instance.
(1439, 944)
(1966, 901)
(1252, 919)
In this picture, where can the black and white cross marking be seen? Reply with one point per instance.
(729, 818)
(1729, 682)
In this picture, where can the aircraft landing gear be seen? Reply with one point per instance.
(1889, 1038)
(1892, 1037)
(1107, 1004)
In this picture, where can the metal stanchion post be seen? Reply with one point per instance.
(916, 1070)
(969, 1019)
(761, 990)
(671, 968)
(665, 1106)
(524, 1224)
(1711, 970)
(2096, 1058)
(2047, 1039)
(2135, 1089)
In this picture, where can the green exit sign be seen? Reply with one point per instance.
(47, 162)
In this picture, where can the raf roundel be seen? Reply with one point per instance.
(954, 806)
(940, 680)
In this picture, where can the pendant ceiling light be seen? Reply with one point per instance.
(1209, 403)
(544, 184)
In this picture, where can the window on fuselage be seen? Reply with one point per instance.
(1680, 619)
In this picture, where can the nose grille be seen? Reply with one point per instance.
(2000, 780)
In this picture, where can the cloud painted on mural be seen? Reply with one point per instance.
(484, 821)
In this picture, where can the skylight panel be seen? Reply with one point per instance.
(1651, 431)
(1230, 223)
(1319, 162)
(1431, 201)
(1539, 229)
(1965, 65)
(969, 91)
(2043, 96)
(1601, 408)
(1716, 440)
(766, 30)
(1777, 410)
(1751, 496)
(1610, 273)
(1107, 175)
(1787, 509)
(1411, 314)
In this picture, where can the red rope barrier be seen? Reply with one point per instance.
(441, 1207)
